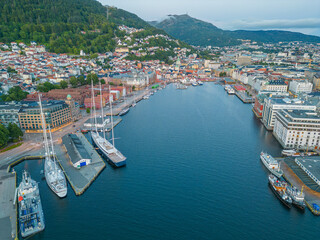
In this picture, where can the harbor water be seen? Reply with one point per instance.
(193, 172)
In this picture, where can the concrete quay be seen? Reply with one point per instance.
(80, 179)
(244, 97)
(291, 172)
(8, 213)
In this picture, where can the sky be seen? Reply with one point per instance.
(292, 15)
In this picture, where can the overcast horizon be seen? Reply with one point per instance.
(287, 15)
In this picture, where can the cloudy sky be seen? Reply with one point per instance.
(293, 15)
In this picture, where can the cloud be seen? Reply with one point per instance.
(276, 24)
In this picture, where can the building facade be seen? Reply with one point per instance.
(57, 114)
(299, 129)
(273, 105)
(9, 113)
(300, 87)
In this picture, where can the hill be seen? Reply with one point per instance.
(194, 31)
(66, 26)
(197, 32)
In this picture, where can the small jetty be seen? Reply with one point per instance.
(80, 179)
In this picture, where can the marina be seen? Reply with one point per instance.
(229, 166)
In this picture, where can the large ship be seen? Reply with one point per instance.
(271, 164)
(279, 189)
(107, 149)
(297, 197)
(54, 175)
(31, 217)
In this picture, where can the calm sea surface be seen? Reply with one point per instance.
(193, 172)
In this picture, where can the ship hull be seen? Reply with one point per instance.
(106, 154)
(124, 112)
(61, 193)
(287, 204)
(31, 217)
(276, 173)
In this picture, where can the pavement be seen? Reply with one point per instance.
(8, 214)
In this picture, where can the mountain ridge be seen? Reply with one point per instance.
(197, 32)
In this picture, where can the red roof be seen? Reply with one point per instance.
(239, 88)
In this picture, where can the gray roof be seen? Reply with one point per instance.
(75, 148)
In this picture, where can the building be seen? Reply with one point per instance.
(299, 129)
(243, 60)
(57, 114)
(316, 81)
(78, 155)
(74, 108)
(273, 104)
(300, 86)
(275, 85)
(9, 113)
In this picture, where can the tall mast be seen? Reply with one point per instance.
(102, 113)
(45, 138)
(94, 108)
(111, 118)
(53, 154)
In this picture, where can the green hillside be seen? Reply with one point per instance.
(66, 26)
(194, 31)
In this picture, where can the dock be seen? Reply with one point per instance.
(80, 179)
(108, 126)
(244, 97)
(295, 176)
(8, 213)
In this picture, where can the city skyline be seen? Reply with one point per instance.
(296, 16)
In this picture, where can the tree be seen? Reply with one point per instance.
(73, 81)
(88, 110)
(111, 83)
(81, 80)
(4, 136)
(133, 88)
(14, 94)
(63, 84)
(14, 131)
(103, 81)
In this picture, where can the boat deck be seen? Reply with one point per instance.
(8, 213)
(80, 179)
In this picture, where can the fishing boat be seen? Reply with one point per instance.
(297, 196)
(31, 217)
(106, 148)
(279, 189)
(271, 164)
(200, 83)
(54, 176)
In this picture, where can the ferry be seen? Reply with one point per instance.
(31, 217)
(279, 189)
(271, 164)
(297, 197)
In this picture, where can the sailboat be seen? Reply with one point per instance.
(108, 150)
(54, 175)
(126, 109)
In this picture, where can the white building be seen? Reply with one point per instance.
(274, 85)
(273, 105)
(298, 129)
(300, 86)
